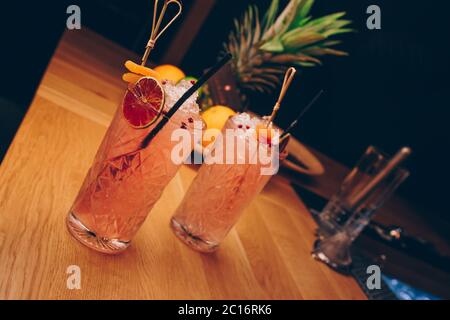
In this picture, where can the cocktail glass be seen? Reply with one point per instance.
(126, 180)
(221, 191)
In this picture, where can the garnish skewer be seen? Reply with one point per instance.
(156, 25)
(288, 77)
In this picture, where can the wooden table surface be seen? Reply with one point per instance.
(266, 256)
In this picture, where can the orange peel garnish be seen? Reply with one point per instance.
(264, 133)
(141, 70)
(131, 77)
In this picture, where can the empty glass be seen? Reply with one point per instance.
(363, 191)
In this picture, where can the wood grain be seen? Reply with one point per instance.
(267, 255)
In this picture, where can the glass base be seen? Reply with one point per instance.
(335, 252)
(87, 237)
(191, 240)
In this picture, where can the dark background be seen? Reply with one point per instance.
(391, 91)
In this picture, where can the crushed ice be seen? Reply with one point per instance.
(173, 92)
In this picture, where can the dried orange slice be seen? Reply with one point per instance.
(143, 102)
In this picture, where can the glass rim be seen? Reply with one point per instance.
(386, 156)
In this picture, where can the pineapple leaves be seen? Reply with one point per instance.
(264, 47)
(275, 45)
(299, 38)
(303, 11)
(328, 18)
(334, 32)
(295, 29)
(270, 15)
(283, 21)
(294, 58)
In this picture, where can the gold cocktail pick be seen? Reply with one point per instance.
(288, 77)
(156, 25)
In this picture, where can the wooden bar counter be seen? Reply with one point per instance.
(266, 256)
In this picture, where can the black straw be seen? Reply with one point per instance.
(302, 113)
(183, 99)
